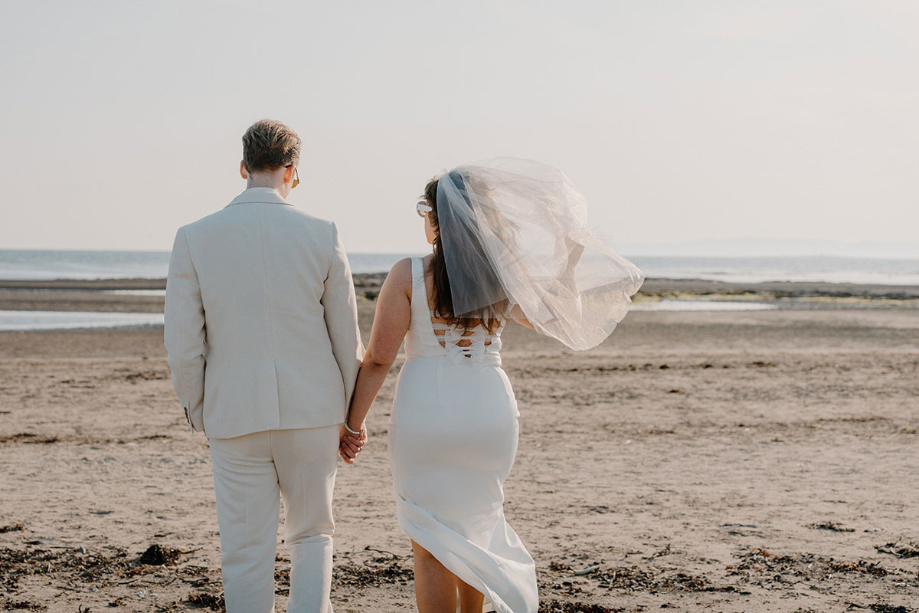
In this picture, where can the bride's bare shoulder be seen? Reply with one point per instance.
(401, 273)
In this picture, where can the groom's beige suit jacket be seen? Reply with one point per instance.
(261, 319)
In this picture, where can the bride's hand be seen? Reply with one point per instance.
(349, 445)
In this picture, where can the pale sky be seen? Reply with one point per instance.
(681, 121)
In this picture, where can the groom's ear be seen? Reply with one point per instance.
(242, 170)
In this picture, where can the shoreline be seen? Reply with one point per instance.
(652, 285)
(103, 295)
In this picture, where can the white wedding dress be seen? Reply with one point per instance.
(452, 441)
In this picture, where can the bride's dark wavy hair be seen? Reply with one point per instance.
(489, 317)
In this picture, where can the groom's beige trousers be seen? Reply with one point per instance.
(251, 473)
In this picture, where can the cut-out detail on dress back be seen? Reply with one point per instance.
(466, 344)
(430, 336)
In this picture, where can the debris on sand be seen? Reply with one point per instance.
(158, 556)
(574, 607)
(590, 568)
(12, 528)
(385, 556)
(692, 583)
(380, 568)
(558, 566)
(22, 605)
(832, 526)
(659, 554)
(633, 578)
(72, 563)
(766, 569)
(66, 566)
(204, 600)
(600, 509)
(147, 375)
(366, 576)
(29, 438)
(626, 578)
(908, 550)
(888, 608)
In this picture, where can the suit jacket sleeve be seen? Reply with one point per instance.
(185, 332)
(340, 306)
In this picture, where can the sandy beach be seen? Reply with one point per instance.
(696, 461)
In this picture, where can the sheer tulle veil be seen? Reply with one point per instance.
(516, 230)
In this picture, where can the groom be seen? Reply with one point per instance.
(262, 338)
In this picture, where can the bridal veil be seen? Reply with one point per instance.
(516, 230)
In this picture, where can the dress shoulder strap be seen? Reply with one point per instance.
(418, 290)
(417, 271)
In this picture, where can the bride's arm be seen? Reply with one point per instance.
(390, 324)
(517, 315)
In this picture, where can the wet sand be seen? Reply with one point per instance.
(696, 461)
(107, 295)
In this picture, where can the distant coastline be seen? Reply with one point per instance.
(142, 269)
(147, 295)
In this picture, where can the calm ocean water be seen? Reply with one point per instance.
(46, 265)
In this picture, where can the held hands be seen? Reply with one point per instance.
(350, 445)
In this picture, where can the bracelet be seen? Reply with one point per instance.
(358, 433)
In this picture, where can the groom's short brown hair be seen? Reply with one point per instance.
(269, 145)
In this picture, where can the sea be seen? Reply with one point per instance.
(47, 265)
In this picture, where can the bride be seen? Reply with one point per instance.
(510, 242)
